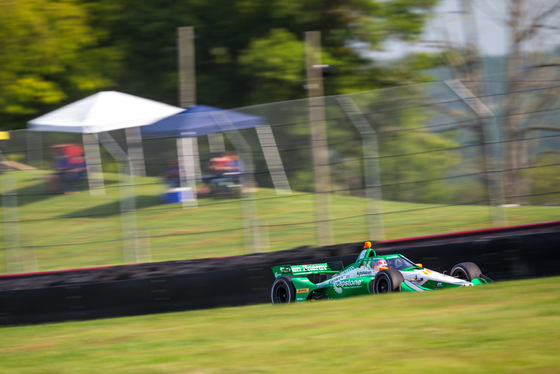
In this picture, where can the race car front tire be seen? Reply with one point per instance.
(466, 271)
(283, 291)
(387, 281)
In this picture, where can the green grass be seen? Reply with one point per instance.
(47, 232)
(505, 327)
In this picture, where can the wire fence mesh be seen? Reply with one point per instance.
(401, 162)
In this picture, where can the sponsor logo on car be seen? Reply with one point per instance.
(341, 285)
(302, 290)
(367, 272)
(318, 267)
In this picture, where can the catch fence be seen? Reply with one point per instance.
(400, 162)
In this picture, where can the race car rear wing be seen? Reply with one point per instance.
(326, 268)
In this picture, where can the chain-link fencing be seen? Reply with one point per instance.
(400, 162)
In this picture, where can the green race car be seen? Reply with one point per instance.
(370, 274)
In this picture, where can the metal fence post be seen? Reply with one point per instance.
(248, 192)
(319, 140)
(10, 223)
(372, 175)
(491, 162)
(127, 198)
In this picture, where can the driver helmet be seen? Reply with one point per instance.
(381, 263)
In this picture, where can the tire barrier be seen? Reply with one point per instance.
(149, 288)
(516, 252)
(521, 252)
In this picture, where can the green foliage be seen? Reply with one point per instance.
(419, 161)
(241, 46)
(276, 63)
(414, 162)
(48, 55)
(247, 51)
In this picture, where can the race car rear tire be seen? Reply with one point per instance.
(466, 271)
(283, 291)
(387, 281)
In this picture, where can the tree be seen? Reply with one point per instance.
(58, 51)
(237, 44)
(414, 161)
(529, 81)
(48, 55)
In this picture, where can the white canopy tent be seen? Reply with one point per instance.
(100, 113)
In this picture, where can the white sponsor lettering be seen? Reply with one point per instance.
(346, 284)
(315, 267)
(365, 272)
(310, 268)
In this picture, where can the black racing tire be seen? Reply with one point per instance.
(466, 271)
(283, 291)
(387, 281)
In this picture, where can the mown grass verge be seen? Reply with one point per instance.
(505, 327)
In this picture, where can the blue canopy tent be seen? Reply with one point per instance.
(201, 120)
(198, 120)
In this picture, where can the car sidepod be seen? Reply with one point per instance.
(345, 287)
(304, 289)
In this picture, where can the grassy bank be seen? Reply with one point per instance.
(44, 231)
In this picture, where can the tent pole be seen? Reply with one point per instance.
(187, 170)
(93, 164)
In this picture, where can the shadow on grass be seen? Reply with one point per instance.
(115, 207)
(39, 191)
